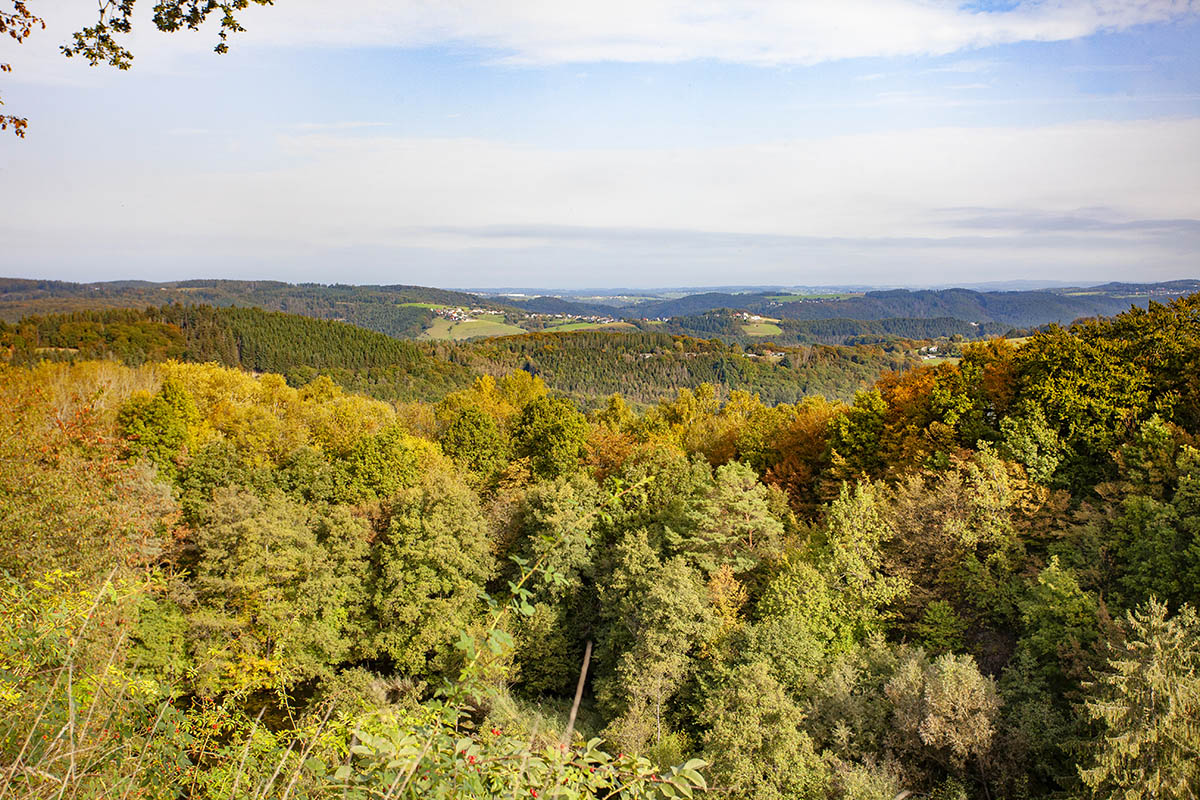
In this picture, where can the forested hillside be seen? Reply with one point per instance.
(411, 311)
(645, 367)
(1010, 309)
(399, 311)
(733, 326)
(588, 366)
(295, 346)
(978, 580)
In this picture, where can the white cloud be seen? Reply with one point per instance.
(763, 32)
(1022, 198)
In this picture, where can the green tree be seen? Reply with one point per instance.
(827, 599)
(556, 524)
(1032, 733)
(940, 629)
(274, 603)
(756, 743)
(656, 613)
(552, 434)
(1147, 707)
(1060, 619)
(474, 440)
(854, 437)
(733, 524)
(431, 563)
(848, 712)
(848, 551)
(159, 428)
(379, 466)
(1029, 441)
(1156, 542)
(1090, 392)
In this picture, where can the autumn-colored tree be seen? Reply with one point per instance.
(989, 369)
(943, 710)
(99, 43)
(802, 445)
(18, 23)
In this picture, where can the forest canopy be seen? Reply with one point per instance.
(972, 579)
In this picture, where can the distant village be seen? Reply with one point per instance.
(462, 314)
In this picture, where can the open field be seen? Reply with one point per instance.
(486, 325)
(763, 328)
(430, 306)
(590, 326)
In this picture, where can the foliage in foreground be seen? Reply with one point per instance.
(976, 581)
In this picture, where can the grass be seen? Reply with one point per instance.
(430, 306)
(486, 325)
(761, 329)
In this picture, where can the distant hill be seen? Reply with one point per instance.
(411, 312)
(646, 367)
(694, 304)
(588, 366)
(732, 326)
(400, 311)
(1015, 309)
(547, 304)
(295, 346)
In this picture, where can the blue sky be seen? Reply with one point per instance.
(651, 143)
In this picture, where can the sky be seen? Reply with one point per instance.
(628, 143)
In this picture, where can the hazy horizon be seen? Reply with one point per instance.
(617, 291)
